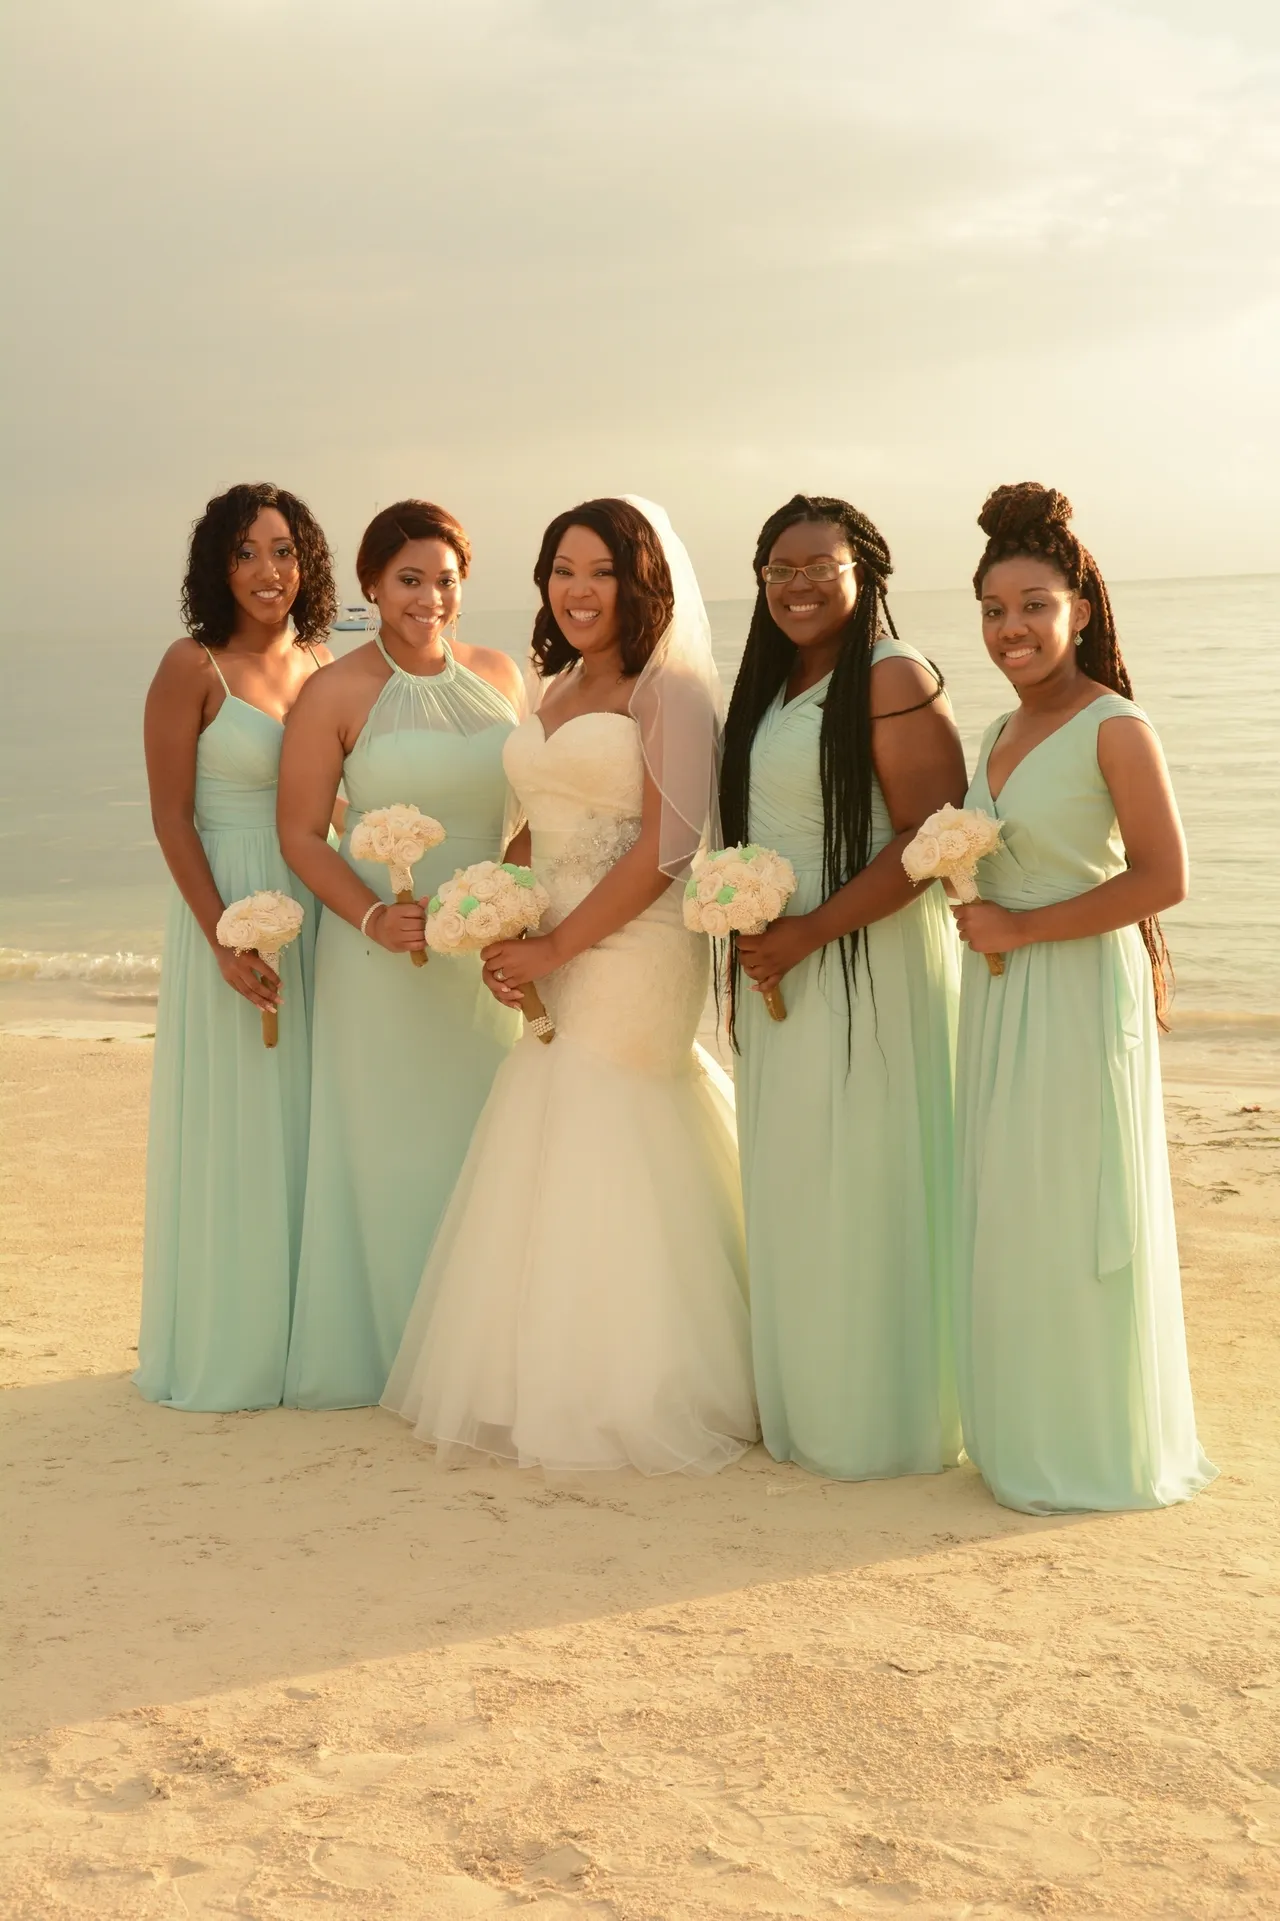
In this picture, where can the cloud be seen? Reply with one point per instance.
(516, 250)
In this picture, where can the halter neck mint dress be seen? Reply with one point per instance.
(1071, 1355)
(846, 1151)
(402, 1057)
(227, 1148)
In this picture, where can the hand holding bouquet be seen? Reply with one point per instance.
(486, 902)
(262, 924)
(740, 890)
(948, 847)
(398, 835)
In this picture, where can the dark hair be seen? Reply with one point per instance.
(845, 766)
(396, 526)
(208, 605)
(1029, 520)
(646, 599)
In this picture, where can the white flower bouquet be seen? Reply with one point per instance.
(948, 847)
(739, 890)
(398, 835)
(488, 901)
(262, 924)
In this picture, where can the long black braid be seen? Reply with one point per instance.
(845, 767)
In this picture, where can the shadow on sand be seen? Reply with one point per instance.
(156, 1556)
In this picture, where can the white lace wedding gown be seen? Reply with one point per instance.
(584, 1303)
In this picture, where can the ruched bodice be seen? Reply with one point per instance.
(1060, 832)
(237, 763)
(786, 793)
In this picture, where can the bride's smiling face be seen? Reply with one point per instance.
(583, 591)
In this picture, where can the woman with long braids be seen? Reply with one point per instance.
(227, 1153)
(1071, 1355)
(839, 742)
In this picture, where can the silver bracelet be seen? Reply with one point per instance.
(369, 913)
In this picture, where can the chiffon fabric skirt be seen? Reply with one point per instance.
(846, 1142)
(226, 1157)
(1071, 1352)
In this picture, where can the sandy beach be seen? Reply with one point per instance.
(277, 1664)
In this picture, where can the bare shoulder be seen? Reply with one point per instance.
(1128, 740)
(898, 682)
(323, 655)
(491, 664)
(185, 668)
(340, 686)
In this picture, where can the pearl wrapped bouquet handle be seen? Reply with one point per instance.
(486, 902)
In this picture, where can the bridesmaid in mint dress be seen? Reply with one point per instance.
(839, 742)
(402, 1057)
(227, 1150)
(1071, 1354)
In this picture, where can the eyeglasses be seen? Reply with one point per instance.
(777, 574)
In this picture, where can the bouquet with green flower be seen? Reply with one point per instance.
(486, 902)
(739, 890)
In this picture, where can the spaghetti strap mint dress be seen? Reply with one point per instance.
(402, 1057)
(227, 1147)
(846, 1150)
(1071, 1355)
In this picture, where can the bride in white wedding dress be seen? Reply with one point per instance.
(584, 1303)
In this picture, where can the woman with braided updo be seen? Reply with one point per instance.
(1070, 1352)
(839, 742)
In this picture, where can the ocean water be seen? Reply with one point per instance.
(83, 888)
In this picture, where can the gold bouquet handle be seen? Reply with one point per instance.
(417, 955)
(540, 1022)
(776, 1005)
(270, 1027)
(996, 963)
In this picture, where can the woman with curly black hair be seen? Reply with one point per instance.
(839, 742)
(228, 1143)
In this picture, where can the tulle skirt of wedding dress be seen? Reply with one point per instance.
(584, 1304)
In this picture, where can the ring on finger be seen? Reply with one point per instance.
(498, 974)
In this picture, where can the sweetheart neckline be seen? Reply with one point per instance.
(598, 713)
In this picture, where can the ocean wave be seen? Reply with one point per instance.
(100, 970)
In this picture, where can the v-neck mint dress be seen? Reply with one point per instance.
(403, 1057)
(846, 1152)
(1070, 1351)
(227, 1148)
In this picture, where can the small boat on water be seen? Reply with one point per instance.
(353, 619)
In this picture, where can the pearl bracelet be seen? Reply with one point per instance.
(369, 913)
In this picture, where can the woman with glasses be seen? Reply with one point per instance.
(839, 742)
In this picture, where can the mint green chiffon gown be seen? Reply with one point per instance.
(227, 1147)
(402, 1057)
(846, 1153)
(1071, 1354)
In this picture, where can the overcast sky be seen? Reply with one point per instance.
(509, 253)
